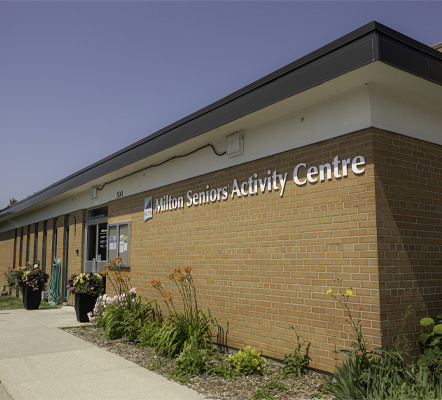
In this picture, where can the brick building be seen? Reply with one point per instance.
(330, 167)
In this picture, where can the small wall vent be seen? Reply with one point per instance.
(235, 144)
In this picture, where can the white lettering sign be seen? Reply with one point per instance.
(273, 182)
(326, 171)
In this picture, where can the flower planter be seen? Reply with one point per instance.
(31, 298)
(84, 303)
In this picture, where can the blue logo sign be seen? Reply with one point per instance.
(147, 208)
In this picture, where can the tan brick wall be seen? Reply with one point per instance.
(76, 242)
(409, 202)
(40, 245)
(265, 262)
(18, 247)
(31, 244)
(25, 253)
(7, 240)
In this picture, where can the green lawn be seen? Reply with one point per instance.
(11, 302)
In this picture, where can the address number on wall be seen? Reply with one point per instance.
(119, 194)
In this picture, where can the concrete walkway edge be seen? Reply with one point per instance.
(39, 361)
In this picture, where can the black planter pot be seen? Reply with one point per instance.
(84, 303)
(31, 298)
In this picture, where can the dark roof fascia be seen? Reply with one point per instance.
(366, 44)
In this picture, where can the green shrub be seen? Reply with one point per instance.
(126, 319)
(430, 340)
(247, 361)
(190, 362)
(147, 334)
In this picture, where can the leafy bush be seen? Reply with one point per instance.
(191, 361)
(243, 362)
(121, 320)
(430, 340)
(247, 361)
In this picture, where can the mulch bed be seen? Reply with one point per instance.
(214, 387)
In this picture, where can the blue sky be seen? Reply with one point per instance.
(80, 80)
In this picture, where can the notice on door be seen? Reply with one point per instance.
(103, 238)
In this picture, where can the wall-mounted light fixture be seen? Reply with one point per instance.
(235, 144)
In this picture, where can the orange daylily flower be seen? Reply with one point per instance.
(166, 297)
(188, 269)
(154, 283)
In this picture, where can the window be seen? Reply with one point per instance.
(118, 242)
(97, 213)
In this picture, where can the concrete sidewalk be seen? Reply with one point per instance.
(39, 361)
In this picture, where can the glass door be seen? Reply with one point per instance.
(95, 240)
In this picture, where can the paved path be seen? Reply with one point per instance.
(39, 361)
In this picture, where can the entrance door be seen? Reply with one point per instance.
(96, 240)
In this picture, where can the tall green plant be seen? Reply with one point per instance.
(191, 325)
(116, 276)
(367, 374)
(296, 363)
